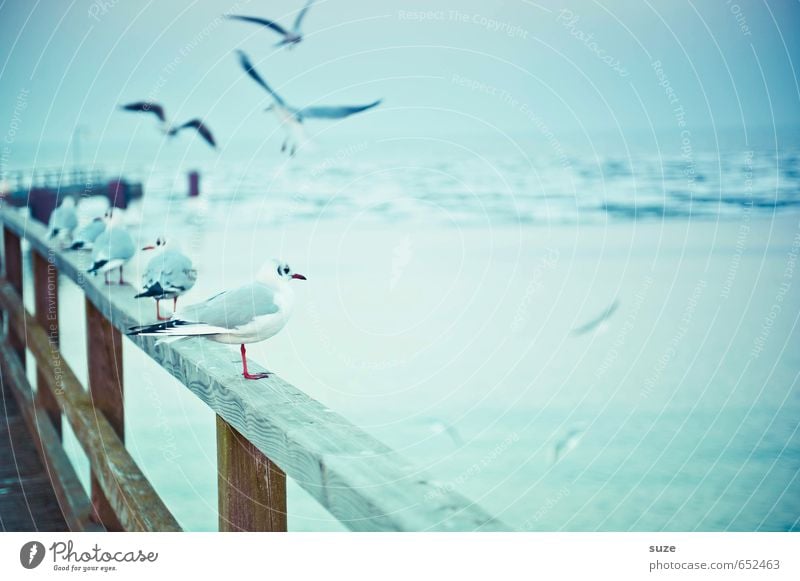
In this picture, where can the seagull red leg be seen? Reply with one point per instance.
(247, 374)
(158, 312)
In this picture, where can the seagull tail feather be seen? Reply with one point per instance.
(154, 290)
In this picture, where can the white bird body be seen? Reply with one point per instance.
(87, 234)
(247, 314)
(112, 249)
(63, 220)
(169, 274)
(259, 328)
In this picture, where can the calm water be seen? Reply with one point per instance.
(675, 427)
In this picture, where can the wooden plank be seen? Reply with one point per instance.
(104, 353)
(252, 489)
(45, 294)
(27, 500)
(135, 503)
(326, 454)
(72, 500)
(13, 263)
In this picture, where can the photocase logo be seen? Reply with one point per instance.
(31, 554)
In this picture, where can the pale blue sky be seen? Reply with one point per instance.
(730, 65)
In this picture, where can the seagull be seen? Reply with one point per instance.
(63, 220)
(158, 110)
(568, 442)
(292, 118)
(597, 321)
(290, 37)
(168, 275)
(86, 235)
(440, 427)
(247, 314)
(112, 249)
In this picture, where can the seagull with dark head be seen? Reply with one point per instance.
(292, 118)
(290, 37)
(168, 275)
(171, 130)
(247, 314)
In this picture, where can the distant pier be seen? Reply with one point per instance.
(41, 190)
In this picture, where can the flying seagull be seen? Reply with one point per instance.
(112, 249)
(567, 442)
(168, 275)
(291, 118)
(63, 220)
(171, 130)
(247, 314)
(290, 37)
(597, 321)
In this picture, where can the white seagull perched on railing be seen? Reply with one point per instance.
(63, 220)
(247, 314)
(290, 37)
(88, 233)
(168, 275)
(291, 118)
(171, 130)
(112, 249)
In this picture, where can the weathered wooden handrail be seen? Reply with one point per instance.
(135, 503)
(269, 428)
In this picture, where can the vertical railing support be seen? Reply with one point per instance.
(13, 263)
(45, 294)
(104, 350)
(252, 489)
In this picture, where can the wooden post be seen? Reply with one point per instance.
(118, 193)
(252, 489)
(45, 296)
(104, 351)
(13, 262)
(194, 184)
(42, 202)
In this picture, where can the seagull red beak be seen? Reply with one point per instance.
(150, 247)
(299, 276)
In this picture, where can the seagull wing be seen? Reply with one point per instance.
(234, 308)
(302, 15)
(172, 270)
(262, 21)
(591, 325)
(334, 112)
(250, 70)
(146, 107)
(113, 244)
(201, 128)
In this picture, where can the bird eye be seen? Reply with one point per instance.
(285, 270)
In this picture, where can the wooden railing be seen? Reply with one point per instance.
(266, 430)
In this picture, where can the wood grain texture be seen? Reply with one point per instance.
(251, 488)
(45, 295)
(361, 481)
(134, 502)
(73, 502)
(27, 499)
(104, 354)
